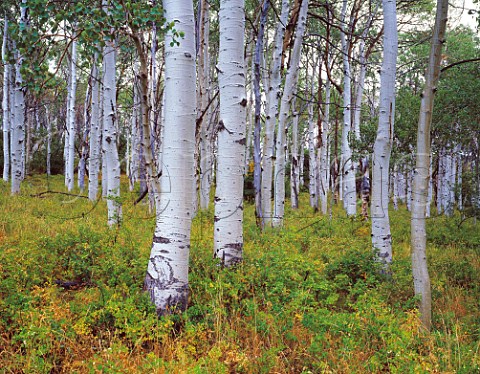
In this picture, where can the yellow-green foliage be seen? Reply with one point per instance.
(308, 298)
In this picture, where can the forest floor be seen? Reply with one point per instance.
(307, 299)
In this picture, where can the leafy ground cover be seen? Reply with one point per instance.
(308, 298)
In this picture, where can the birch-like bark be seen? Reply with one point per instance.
(71, 126)
(49, 140)
(294, 167)
(349, 195)
(324, 167)
(112, 163)
(228, 221)
(459, 181)
(6, 105)
(146, 154)
(17, 134)
(273, 96)
(421, 278)
(95, 135)
(381, 235)
(257, 61)
(167, 272)
(206, 154)
(290, 85)
(134, 136)
(312, 159)
(82, 163)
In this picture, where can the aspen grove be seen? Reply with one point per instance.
(240, 186)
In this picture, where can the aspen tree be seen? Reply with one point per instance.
(421, 277)
(167, 271)
(273, 95)
(110, 125)
(285, 103)
(381, 236)
(6, 105)
(228, 221)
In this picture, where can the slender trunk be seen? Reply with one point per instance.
(294, 168)
(258, 58)
(86, 130)
(151, 172)
(95, 135)
(70, 140)
(290, 85)
(206, 155)
(349, 195)
(6, 106)
(421, 278)
(49, 140)
(110, 124)
(324, 167)
(17, 137)
(272, 115)
(312, 159)
(381, 235)
(228, 230)
(459, 180)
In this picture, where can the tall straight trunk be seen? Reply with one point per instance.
(167, 272)
(381, 235)
(349, 195)
(430, 190)
(257, 61)
(49, 140)
(206, 154)
(112, 163)
(294, 167)
(290, 85)
(134, 136)
(95, 135)
(6, 105)
(17, 132)
(324, 167)
(151, 172)
(71, 125)
(312, 152)
(82, 163)
(459, 180)
(228, 225)
(272, 115)
(421, 278)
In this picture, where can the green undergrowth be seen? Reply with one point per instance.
(309, 298)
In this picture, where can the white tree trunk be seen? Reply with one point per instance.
(324, 167)
(167, 272)
(95, 136)
(294, 167)
(430, 190)
(6, 106)
(381, 236)
(206, 152)
(459, 181)
(421, 278)
(49, 140)
(112, 163)
(272, 115)
(71, 125)
(87, 114)
(312, 154)
(349, 195)
(290, 85)
(17, 131)
(228, 225)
